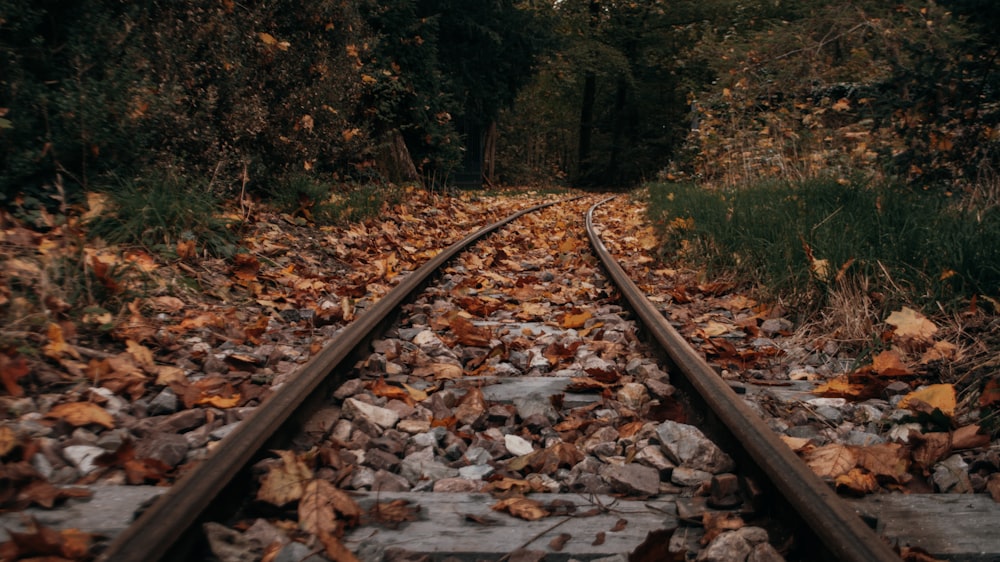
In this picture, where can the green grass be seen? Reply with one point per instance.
(160, 210)
(909, 247)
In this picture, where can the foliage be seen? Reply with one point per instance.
(903, 90)
(800, 238)
(163, 210)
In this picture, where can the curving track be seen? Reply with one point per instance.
(168, 528)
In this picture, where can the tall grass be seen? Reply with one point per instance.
(908, 247)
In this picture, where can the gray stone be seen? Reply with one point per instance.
(457, 485)
(363, 478)
(727, 547)
(430, 439)
(773, 326)
(349, 388)
(165, 402)
(382, 417)
(182, 421)
(685, 476)
(229, 545)
(753, 535)
(764, 552)
(633, 395)
(651, 455)
(169, 448)
(477, 455)
(536, 404)
(830, 414)
(687, 445)
(660, 388)
(517, 445)
(82, 457)
(421, 466)
(222, 432)
(633, 479)
(862, 439)
(414, 426)
(298, 552)
(389, 482)
(476, 472)
(952, 475)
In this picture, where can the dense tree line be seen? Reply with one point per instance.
(589, 92)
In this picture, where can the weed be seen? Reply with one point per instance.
(162, 209)
(798, 240)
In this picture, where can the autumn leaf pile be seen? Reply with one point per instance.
(92, 334)
(938, 412)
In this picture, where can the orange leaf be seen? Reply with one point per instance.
(889, 364)
(82, 413)
(12, 369)
(524, 508)
(220, 402)
(936, 396)
(575, 319)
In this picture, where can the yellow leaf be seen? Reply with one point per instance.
(349, 134)
(367, 79)
(574, 320)
(57, 346)
(267, 39)
(415, 393)
(910, 324)
(935, 396)
(842, 105)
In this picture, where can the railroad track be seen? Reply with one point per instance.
(599, 377)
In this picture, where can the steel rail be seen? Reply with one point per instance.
(840, 529)
(152, 535)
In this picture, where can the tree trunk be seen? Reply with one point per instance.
(394, 160)
(587, 104)
(490, 154)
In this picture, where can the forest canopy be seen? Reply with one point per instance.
(250, 96)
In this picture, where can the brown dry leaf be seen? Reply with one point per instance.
(386, 390)
(889, 364)
(11, 371)
(846, 386)
(830, 461)
(929, 448)
(598, 539)
(510, 485)
(168, 374)
(969, 437)
(796, 444)
(713, 329)
(245, 267)
(469, 334)
(79, 414)
(287, 481)
(471, 406)
(619, 526)
(393, 513)
(8, 440)
(524, 508)
(911, 325)
(142, 354)
(857, 482)
(885, 460)
(935, 396)
(43, 493)
(991, 393)
(44, 543)
(136, 326)
(716, 523)
(940, 351)
(57, 346)
(993, 486)
(316, 512)
(335, 550)
(415, 393)
(559, 541)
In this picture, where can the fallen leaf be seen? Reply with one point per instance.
(469, 334)
(716, 523)
(830, 461)
(910, 324)
(335, 550)
(559, 541)
(393, 513)
(991, 393)
(471, 406)
(857, 482)
(524, 508)
(325, 509)
(598, 539)
(57, 346)
(885, 460)
(574, 319)
(935, 396)
(11, 371)
(969, 437)
(79, 414)
(889, 364)
(287, 481)
(619, 526)
(940, 351)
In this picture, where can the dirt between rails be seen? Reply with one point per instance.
(136, 390)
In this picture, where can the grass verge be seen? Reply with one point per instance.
(804, 242)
